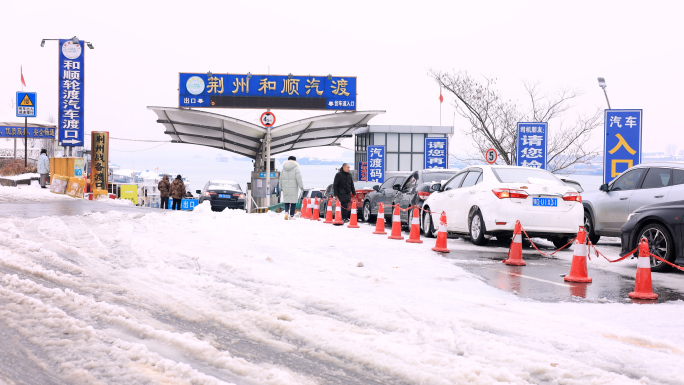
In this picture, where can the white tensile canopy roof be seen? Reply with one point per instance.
(244, 138)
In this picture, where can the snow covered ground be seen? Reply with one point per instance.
(206, 298)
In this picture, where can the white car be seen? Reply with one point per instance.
(486, 200)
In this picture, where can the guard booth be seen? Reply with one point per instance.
(258, 188)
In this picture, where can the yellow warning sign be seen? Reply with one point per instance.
(26, 101)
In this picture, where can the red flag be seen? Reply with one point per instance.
(22, 77)
(441, 99)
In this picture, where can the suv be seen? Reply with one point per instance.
(605, 211)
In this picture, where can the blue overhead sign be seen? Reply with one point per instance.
(71, 87)
(436, 153)
(376, 164)
(267, 91)
(532, 144)
(622, 147)
(27, 104)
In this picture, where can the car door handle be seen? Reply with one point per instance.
(658, 196)
(623, 199)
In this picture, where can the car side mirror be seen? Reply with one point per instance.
(198, 191)
(376, 188)
(397, 187)
(604, 187)
(436, 187)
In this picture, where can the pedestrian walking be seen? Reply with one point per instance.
(43, 167)
(164, 187)
(343, 188)
(177, 192)
(290, 184)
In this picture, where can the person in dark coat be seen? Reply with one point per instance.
(343, 188)
(177, 192)
(164, 191)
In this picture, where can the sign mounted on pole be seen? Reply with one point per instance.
(27, 104)
(284, 92)
(99, 164)
(363, 171)
(71, 87)
(376, 164)
(491, 155)
(531, 145)
(436, 153)
(622, 147)
(267, 119)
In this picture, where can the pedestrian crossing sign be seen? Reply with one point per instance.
(26, 104)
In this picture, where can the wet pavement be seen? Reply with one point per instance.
(70, 207)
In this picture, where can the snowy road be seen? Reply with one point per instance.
(202, 298)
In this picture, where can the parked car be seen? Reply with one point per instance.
(484, 201)
(384, 194)
(573, 183)
(606, 210)
(311, 193)
(222, 194)
(362, 188)
(662, 225)
(416, 189)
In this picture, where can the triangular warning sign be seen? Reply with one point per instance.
(26, 101)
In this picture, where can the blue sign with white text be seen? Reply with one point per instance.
(27, 104)
(71, 88)
(622, 147)
(33, 132)
(189, 203)
(263, 175)
(532, 144)
(376, 164)
(267, 91)
(436, 153)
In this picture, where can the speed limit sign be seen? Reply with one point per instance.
(491, 156)
(267, 119)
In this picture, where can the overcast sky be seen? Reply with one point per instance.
(141, 46)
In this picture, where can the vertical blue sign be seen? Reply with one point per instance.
(70, 120)
(363, 171)
(436, 153)
(531, 145)
(376, 164)
(622, 147)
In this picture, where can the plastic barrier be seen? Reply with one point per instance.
(75, 187)
(58, 185)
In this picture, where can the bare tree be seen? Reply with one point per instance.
(493, 120)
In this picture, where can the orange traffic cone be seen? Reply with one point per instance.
(396, 225)
(380, 223)
(352, 219)
(309, 209)
(643, 288)
(414, 236)
(515, 252)
(440, 245)
(303, 209)
(328, 212)
(338, 213)
(578, 269)
(316, 215)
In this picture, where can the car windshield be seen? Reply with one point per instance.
(224, 186)
(526, 175)
(436, 176)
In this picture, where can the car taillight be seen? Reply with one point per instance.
(423, 195)
(502, 193)
(208, 194)
(572, 196)
(239, 196)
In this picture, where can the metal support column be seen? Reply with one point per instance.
(268, 166)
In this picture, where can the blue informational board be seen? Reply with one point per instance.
(33, 132)
(376, 164)
(363, 171)
(189, 203)
(27, 104)
(436, 153)
(267, 91)
(263, 175)
(532, 144)
(622, 147)
(71, 88)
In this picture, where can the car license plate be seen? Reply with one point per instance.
(545, 202)
(226, 196)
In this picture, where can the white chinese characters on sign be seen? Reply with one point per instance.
(531, 144)
(436, 153)
(71, 93)
(376, 164)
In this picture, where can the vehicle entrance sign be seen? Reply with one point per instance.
(376, 164)
(531, 145)
(436, 153)
(491, 155)
(267, 119)
(71, 93)
(622, 146)
(27, 104)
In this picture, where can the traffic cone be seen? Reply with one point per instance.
(396, 224)
(316, 216)
(328, 212)
(515, 252)
(352, 219)
(643, 288)
(380, 223)
(309, 209)
(303, 209)
(440, 245)
(414, 236)
(338, 213)
(578, 269)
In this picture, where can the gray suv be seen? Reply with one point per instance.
(605, 211)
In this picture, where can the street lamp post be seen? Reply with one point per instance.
(602, 84)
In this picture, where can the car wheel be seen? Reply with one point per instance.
(660, 244)
(366, 215)
(428, 227)
(559, 242)
(477, 229)
(589, 228)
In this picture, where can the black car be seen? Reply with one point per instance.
(222, 194)
(382, 194)
(661, 224)
(416, 189)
